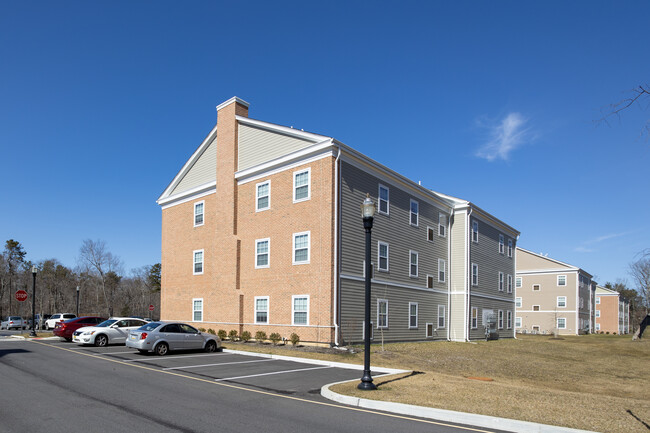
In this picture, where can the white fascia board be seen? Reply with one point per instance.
(494, 220)
(496, 298)
(189, 195)
(547, 271)
(231, 100)
(188, 165)
(285, 130)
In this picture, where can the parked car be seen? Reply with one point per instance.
(65, 329)
(161, 337)
(59, 317)
(40, 320)
(111, 331)
(13, 322)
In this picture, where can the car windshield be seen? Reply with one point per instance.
(149, 326)
(14, 318)
(106, 323)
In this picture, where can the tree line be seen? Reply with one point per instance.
(104, 288)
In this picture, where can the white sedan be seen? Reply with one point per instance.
(111, 331)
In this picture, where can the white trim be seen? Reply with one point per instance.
(496, 298)
(547, 271)
(546, 311)
(502, 244)
(232, 100)
(393, 284)
(519, 282)
(379, 199)
(426, 330)
(379, 268)
(520, 324)
(509, 283)
(201, 202)
(379, 301)
(432, 281)
(472, 275)
(193, 310)
(268, 253)
(440, 216)
(558, 281)
(557, 302)
(194, 262)
(257, 197)
(309, 136)
(499, 319)
(474, 223)
(566, 269)
(471, 318)
(296, 173)
(417, 214)
(278, 166)
(293, 248)
(417, 264)
(557, 323)
(268, 310)
(502, 283)
(293, 310)
(509, 319)
(431, 230)
(189, 195)
(443, 316)
(444, 270)
(417, 311)
(520, 302)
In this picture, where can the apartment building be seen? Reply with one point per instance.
(551, 296)
(261, 230)
(612, 312)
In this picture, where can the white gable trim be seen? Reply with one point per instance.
(193, 194)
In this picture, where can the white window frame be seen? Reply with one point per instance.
(509, 319)
(293, 248)
(539, 287)
(382, 301)
(293, 310)
(538, 308)
(597, 326)
(431, 234)
(267, 311)
(379, 245)
(202, 203)
(474, 318)
(442, 225)
(500, 319)
(517, 322)
(509, 283)
(380, 200)
(501, 282)
(295, 174)
(558, 302)
(417, 261)
(194, 262)
(194, 310)
(502, 244)
(430, 278)
(257, 196)
(268, 253)
(417, 213)
(442, 264)
(597, 300)
(518, 282)
(558, 280)
(475, 231)
(558, 323)
(474, 276)
(416, 315)
(443, 316)
(429, 326)
(597, 313)
(518, 302)
(510, 244)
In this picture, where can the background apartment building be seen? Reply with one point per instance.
(261, 230)
(612, 312)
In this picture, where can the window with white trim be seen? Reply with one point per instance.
(263, 199)
(509, 319)
(500, 281)
(301, 248)
(198, 262)
(197, 310)
(509, 247)
(597, 300)
(441, 316)
(536, 287)
(474, 317)
(475, 231)
(561, 323)
(413, 315)
(382, 256)
(561, 280)
(430, 234)
(199, 213)
(429, 281)
(474, 274)
(442, 270)
(442, 225)
(517, 322)
(535, 307)
(262, 309)
(509, 284)
(518, 282)
(500, 319)
(414, 212)
(300, 310)
(518, 302)
(301, 185)
(382, 313)
(413, 263)
(502, 245)
(597, 326)
(597, 313)
(262, 253)
(429, 327)
(561, 301)
(383, 205)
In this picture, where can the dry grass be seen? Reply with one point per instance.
(586, 382)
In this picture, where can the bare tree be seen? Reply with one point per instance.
(99, 261)
(639, 96)
(640, 271)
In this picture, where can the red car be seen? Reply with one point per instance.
(65, 329)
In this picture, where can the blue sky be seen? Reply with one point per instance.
(101, 103)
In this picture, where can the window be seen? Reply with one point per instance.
(509, 283)
(382, 313)
(263, 191)
(413, 264)
(509, 247)
(262, 309)
(442, 225)
(383, 200)
(429, 330)
(474, 274)
(197, 310)
(597, 326)
(301, 185)
(561, 280)
(509, 319)
(597, 300)
(429, 282)
(382, 256)
(198, 262)
(430, 234)
(518, 282)
(300, 248)
(441, 316)
(561, 323)
(502, 246)
(500, 317)
(475, 231)
(262, 257)
(536, 287)
(413, 315)
(474, 318)
(518, 302)
(441, 270)
(535, 307)
(415, 212)
(561, 301)
(517, 322)
(300, 310)
(597, 313)
(198, 213)
(500, 281)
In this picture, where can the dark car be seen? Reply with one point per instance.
(65, 329)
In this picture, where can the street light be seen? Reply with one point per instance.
(77, 301)
(33, 332)
(367, 213)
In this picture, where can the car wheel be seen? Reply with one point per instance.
(161, 349)
(101, 340)
(47, 328)
(211, 346)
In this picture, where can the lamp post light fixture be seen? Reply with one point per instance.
(33, 331)
(367, 213)
(77, 301)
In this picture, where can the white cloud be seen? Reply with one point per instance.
(506, 136)
(584, 250)
(586, 245)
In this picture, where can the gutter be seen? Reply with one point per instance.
(336, 247)
(468, 241)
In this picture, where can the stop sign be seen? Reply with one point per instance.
(21, 295)
(151, 307)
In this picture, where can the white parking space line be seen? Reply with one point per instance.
(162, 358)
(268, 374)
(116, 353)
(218, 363)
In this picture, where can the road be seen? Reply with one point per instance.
(51, 386)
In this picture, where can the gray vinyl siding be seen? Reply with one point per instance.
(203, 171)
(495, 305)
(458, 274)
(257, 146)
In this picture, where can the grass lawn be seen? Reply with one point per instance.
(592, 382)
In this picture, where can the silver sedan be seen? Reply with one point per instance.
(161, 337)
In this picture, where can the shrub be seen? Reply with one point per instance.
(233, 335)
(222, 334)
(245, 336)
(294, 338)
(275, 337)
(613, 333)
(202, 329)
(260, 336)
(211, 331)
(607, 332)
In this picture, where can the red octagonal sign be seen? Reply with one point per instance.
(150, 307)
(21, 295)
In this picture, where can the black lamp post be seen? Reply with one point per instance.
(33, 332)
(77, 301)
(367, 212)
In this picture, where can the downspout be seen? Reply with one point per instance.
(577, 304)
(336, 247)
(448, 272)
(468, 243)
(514, 325)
